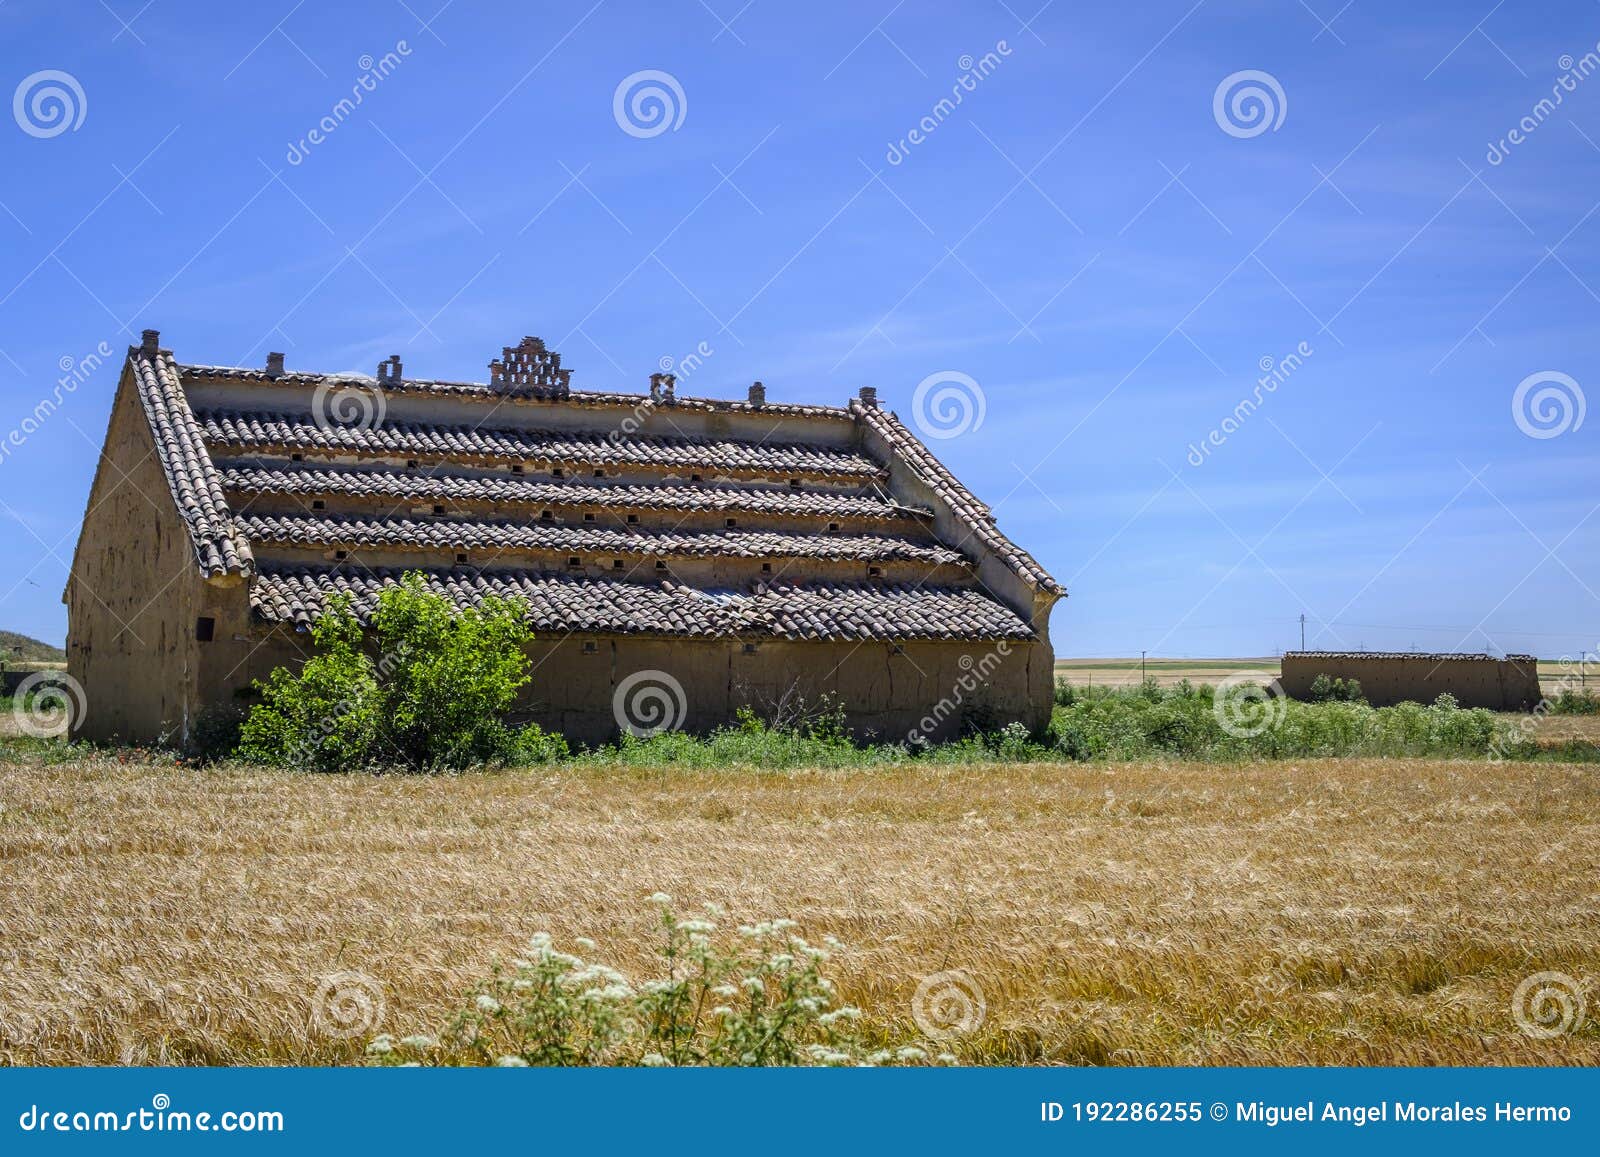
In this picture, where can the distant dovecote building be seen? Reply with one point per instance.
(740, 552)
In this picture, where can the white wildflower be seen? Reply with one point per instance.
(660, 898)
(838, 1014)
(420, 1041)
(585, 943)
(511, 1062)
(381, 1046)
(722, 1012)
(753, 985)
(653, 1061)
(911, 1053)
(701, 927)
(724, 990)
(947, 1059)
(488, 1004)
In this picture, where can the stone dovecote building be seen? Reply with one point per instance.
(750, 550)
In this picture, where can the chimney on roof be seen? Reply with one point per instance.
(869, 397)
(662, 386)
(758, 394)
(274, 365)
(389, 371)
(150, 341)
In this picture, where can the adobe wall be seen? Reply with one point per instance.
(132, 594)
(933, 687)
(1509, 684)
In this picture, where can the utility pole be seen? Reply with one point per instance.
(1141, 668)
(1302, 631)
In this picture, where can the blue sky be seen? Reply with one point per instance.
(1104, 254)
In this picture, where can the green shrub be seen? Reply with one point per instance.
(1326, 690)
(435, 696)
(759, 998)
(1575, 702)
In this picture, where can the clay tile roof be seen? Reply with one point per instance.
(562, 497)
(560, 603)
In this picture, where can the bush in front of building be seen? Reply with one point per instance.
(1326, 690)
(434, 694)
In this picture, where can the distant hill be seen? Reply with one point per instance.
(33, 651)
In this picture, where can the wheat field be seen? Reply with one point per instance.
(1355, 911)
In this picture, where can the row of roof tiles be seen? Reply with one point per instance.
(196, 486)
(268, 431)
(302, 479)
(563, 603)
(448, 534)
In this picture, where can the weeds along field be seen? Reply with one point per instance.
(1358, 910)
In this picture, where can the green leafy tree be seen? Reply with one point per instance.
(435, 695)
(326, 715)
